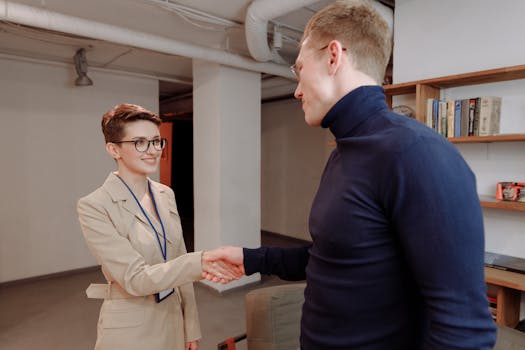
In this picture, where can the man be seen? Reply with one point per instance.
(396, 260)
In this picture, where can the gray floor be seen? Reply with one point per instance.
(54, 313)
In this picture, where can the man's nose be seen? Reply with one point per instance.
(298, 94)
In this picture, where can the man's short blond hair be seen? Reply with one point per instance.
(360, 29)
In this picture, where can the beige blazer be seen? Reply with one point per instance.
(125, 245)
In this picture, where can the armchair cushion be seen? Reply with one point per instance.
(273, 317)
(509, 339)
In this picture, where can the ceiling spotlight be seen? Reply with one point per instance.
(81, 67)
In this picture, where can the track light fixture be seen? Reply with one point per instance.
(81, 67)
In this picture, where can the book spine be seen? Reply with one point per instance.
(489, 115)
(428, 117)
(476, 116)
(484, 116)
(443, 118)
(464, 117)
(457, 118)
(495, 116)
(435, 114)
(471, 109)
(450, 118)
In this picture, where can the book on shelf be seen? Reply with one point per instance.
(471, 112)
(450, 119)
(442, 128)
(505, 262)
(429, 116)
(435, 113)
(457, 119)
(475, 124)
(464, 116)
(489, 115)
(477, 116)
(493, 306)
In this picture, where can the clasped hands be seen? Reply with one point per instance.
(223, 265)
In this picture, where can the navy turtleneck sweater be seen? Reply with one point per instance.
(396, 260)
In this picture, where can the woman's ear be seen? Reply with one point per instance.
(113, 150)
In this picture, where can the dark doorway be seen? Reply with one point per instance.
(182, 175)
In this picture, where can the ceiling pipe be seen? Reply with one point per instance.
(42, 18)
(261, 11)
(256, 25)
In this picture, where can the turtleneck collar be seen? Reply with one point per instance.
(354, 108)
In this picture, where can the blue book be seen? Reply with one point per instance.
(457, 118)
(435, 114)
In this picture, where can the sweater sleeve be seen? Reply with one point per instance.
(287, 263)
(434, 208)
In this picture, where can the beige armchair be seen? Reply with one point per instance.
(509, 339)
(273, 317)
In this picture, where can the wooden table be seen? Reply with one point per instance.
(509, 286)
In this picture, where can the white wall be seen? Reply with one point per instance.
(293, 156)
(52, 154)
(436, 38)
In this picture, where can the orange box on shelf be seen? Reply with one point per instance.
(510, 191)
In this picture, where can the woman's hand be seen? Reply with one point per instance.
(223, 265)
(191, 345)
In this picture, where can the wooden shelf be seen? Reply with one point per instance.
(491, 202)
(478, 139)
(505, 278)
(509, 286)
(401, 89)
(473, 78)
(488, 139)
(430, 88)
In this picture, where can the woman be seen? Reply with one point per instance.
(131, 225)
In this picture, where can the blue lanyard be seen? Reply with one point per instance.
(163, 250)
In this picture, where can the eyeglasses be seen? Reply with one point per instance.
(142, 145)
(297, 72)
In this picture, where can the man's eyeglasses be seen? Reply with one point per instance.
(296, 70)
(142, 145)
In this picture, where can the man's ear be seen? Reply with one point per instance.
(336, 53)
(113, 150)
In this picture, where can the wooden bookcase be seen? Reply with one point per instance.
(509, 285)
(430, 88)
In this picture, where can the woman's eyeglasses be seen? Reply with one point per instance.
(142, 145)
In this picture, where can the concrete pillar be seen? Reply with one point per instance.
(227, 148)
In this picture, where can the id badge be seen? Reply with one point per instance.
(164, 294)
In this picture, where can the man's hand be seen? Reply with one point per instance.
(223, 264)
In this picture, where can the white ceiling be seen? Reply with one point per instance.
(220, 27)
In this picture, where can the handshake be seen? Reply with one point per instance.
(223, 265)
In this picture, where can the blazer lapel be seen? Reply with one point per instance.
(119, 193)
(162, 201)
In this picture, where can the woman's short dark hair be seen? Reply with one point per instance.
(114, 120)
